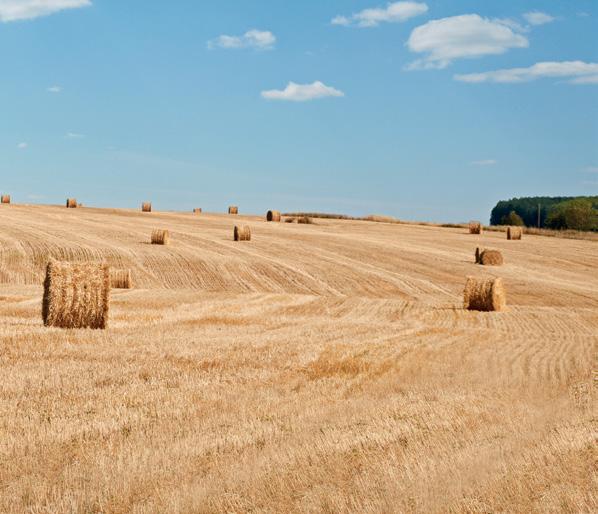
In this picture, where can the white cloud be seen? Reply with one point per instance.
(580, 73)
(13, 10)
(538, 18)
(22, 146)
(55, 89)
(74, 135)
(392, 13)
(261, 39)
(485, 162)
(591, 169)
(464, 36)
(302, 92)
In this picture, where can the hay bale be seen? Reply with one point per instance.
(484, 294)
(76, 295)
(491, 258)
(514, 233)
(71, 203)
(197, 210)
(475, 227)
(233, 209)
(242, 233)
(146, 207)
(160, 237)
(273, 216)
(5, 199)
(121, 279)
(304, 220)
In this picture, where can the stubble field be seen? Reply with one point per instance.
(316, 368)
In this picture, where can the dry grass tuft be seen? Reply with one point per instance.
(76, 295)
(5, 199)
(273, 216)
(233, 209)
(71, 203)
(160, 237)
(242, 233)
(491, 258)
(514, 233)
(146, 207)
(121, 279)
(475, 227)
(484, 294)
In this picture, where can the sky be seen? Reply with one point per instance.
(428, 110)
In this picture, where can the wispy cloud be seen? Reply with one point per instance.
(302, 92)
(578, 72)
(13, 10)
(591, 169)
(54, 89)
(538, 18)
(74, 135)
(457, 37)
(394, 12)
(22, 146)
(259, 39)
(485, 162)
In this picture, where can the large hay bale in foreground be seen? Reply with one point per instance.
(233, 209)
(121, 279)
(197, 210)
(5, 199)
(146, 207)
(242, 233)
(514, 233)
(475, 227)
(273, 216)
(160, 237)
(491, 258)
(71, 203)
(484, 294)
(76, 295)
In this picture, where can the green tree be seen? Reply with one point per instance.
(575, 215)
(512, 219)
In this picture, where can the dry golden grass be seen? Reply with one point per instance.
(329, 368)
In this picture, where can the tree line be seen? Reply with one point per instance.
(561, 212)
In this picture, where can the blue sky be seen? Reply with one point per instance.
(424, 110)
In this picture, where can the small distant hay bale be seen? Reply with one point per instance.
(160, 237)
(5, 199)
(197, 210)
(484, 295)
(514, 233)
(121, 279)
(273, 216)
(71, 203)
(304, 220)
(242, 233)
(233, 209)
(475, 227)
(146, 207)
(76, 295)
(491, 258)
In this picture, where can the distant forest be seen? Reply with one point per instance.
(561, 212)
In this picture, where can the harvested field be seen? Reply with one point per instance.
(321, 368)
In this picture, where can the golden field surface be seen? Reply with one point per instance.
(317, 368)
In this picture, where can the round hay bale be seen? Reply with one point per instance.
(475, 227)
(484, 294)
(514, 233)
(71, 203)
(146, 207)
(5, 198)
(242, 233)
(160, 237)
(478, 252)
(76, 295)
(491, 258)
(233, 209)
(197, 210)
(273, 216)
(121, 279)
(304, 220)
